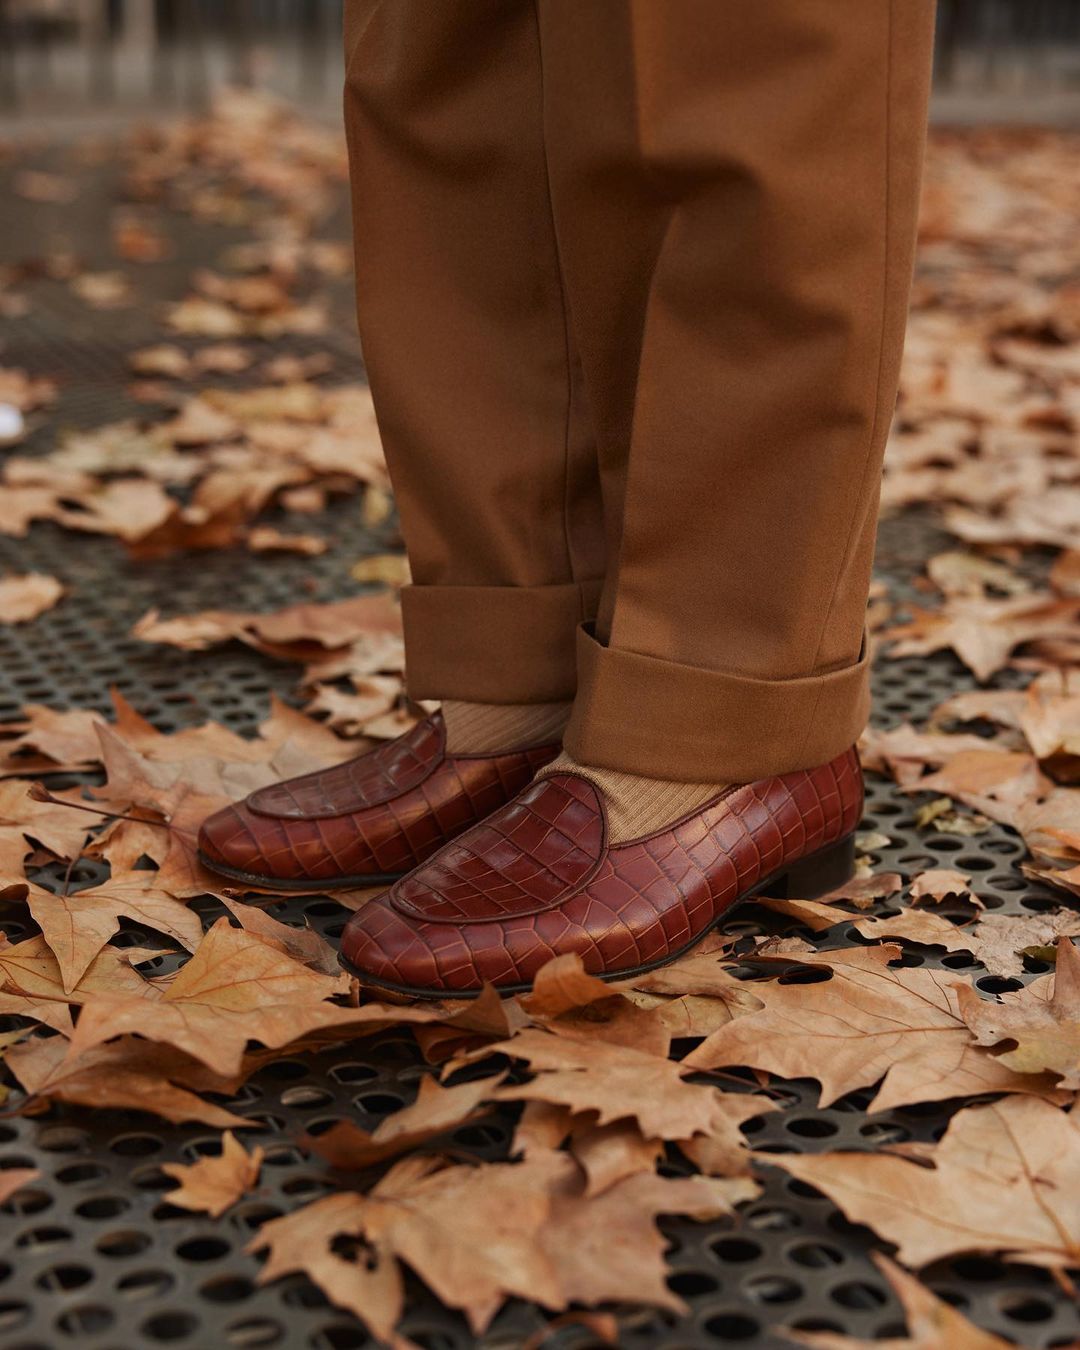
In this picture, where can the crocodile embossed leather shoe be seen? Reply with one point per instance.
(538, 879)
(365, 822)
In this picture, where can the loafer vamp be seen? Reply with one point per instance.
(488, 910)
(364, 819)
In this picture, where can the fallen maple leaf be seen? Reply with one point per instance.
(1004, 1178)
(127, 1075)
(77, 926)
(477, 1236)
(867, 1022)
(212, 1185)
(938, 883)
(982, 632)
(234, 989)
(290, 633)
(615, 1082)
(13, 1179)
(26, 597)
(1042, 1020)
(436, 1109)
(933, 1324)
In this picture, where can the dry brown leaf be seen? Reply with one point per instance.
(164, 359)
(1004, 1178)
(77, 926)
(13, 1179)
(1043, 1020)
(302, 944)
(299, 632)
(127, 1075)
(25, 598)
(436, 1109)
(478, 1235)
(30, 968)
(563, 984)
(869, 1022)
(614, 1081)
(212, 1185)
(933, 1324)
(235, 988)
(265, 539)
(608, 1154)
(983, 632)
(938, 883)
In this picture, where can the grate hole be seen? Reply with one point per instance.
(732, 1326)
(13, 1315)
(87, 1320)
(736, 1249)
(102, 1207)
(857, 1294)
(41, 1239)
(173, 1325)
(254, 1333)
(117, 1245)
(1026, 1308)
(773, 1289)
(203, 1249)
(812, 1127)
(61, 1279)
(145, 1284)
(227, 1289)
(816, 1255)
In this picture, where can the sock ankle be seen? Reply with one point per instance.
(637, 806)
(493, 728)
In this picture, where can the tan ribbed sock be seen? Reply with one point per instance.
(637, 806)
(491, 728)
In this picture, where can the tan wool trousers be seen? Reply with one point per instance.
(632, 285)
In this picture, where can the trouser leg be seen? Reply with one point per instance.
(467, 346)
(735, 190)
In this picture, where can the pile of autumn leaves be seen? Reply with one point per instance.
(603, 1079)
(593, 1063)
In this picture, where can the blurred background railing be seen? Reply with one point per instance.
(60, 57)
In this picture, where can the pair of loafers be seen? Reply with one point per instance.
(490, 875)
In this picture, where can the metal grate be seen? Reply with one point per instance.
(91, 1255)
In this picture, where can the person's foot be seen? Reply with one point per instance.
(541, 878)
(368, 821)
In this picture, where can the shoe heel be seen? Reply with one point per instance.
(818, 874)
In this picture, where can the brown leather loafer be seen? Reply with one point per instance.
(367, 821)
(538, 879)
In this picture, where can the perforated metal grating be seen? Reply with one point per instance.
(91, 1255)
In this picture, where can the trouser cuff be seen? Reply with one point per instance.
(494, 644)
(664, 720)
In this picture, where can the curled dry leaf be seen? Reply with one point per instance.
(25, 598)
(127, 1075)
(615, 1082)
(302, 944)
(76, 927)
(478, 1236)
(983, 633)
(867, 1022)
(13, 1179)
(1035, 1029)
(212, 1185)
(291, 633)
(436, 1109)
(235, 989)
(1004, 1178)
(932, 1323)
(30, 968)
(938, 883)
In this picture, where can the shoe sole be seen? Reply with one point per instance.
(300, 886)
(806, 879)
